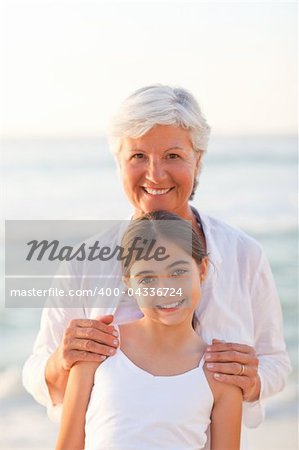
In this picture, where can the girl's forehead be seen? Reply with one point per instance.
(163, 256)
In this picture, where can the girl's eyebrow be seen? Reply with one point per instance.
(147, 272)
(143, 272)
(177, 263)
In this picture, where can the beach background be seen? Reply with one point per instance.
(67, 68)
(249, 182)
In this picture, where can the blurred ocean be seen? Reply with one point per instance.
(248, 182)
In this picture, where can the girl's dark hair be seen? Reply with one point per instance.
(163, 224)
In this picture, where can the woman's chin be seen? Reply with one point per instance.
(155, 204)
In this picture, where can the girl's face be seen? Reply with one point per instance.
(168, 291)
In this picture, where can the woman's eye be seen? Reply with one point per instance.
(173, 156)
(138, 156)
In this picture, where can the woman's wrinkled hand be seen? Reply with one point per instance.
(83, 340)
(87, 340)
(237, 364)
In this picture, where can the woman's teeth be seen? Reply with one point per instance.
(171, 305)
(156, 191)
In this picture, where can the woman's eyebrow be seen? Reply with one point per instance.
(134, 149)
(175, 147)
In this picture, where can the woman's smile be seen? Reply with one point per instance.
(156, 191)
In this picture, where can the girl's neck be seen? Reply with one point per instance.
(168, 336)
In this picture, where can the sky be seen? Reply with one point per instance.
(67, 65)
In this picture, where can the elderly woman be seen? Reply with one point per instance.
(159, 138)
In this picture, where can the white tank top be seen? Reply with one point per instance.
(130, 409)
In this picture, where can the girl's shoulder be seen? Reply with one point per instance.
(128, 329)
(211, 380)
(220, 389)
(129, 334)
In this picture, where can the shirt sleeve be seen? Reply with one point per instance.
(54, 321)
(274, 362)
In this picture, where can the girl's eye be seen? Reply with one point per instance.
(146, 280)
(179, 272)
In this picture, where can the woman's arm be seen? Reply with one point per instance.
(71, 434)
(94, 335)
(226, 417)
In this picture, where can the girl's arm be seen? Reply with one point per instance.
(226, 416)
(71, 434)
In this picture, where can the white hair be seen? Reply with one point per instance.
(159, 105)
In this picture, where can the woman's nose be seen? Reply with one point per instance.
(155, 172)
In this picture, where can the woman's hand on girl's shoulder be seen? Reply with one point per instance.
(221, 389)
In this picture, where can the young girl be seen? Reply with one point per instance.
(155, 393)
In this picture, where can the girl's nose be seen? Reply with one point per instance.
(166, 285)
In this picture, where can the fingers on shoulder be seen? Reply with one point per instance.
(222, 390)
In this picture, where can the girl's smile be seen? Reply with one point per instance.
(171, 307)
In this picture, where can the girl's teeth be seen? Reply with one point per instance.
(171, 305)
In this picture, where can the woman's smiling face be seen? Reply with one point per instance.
(159, 169)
